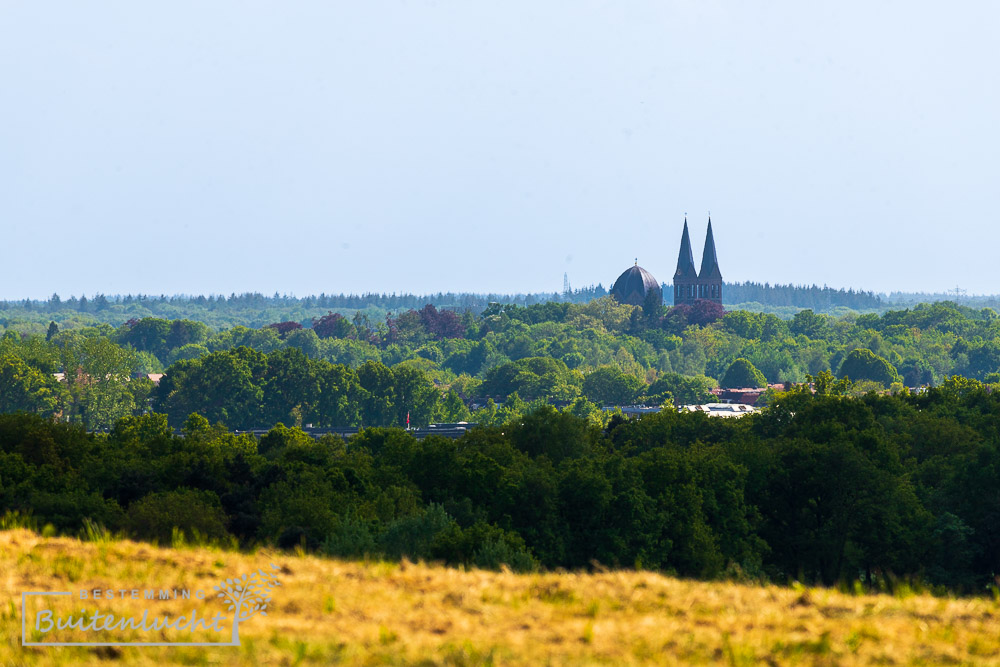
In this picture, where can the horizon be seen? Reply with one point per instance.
(575, 290)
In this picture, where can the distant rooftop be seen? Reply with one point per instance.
(721, 409)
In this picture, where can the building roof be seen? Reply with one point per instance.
(633, 285)
(685, 258)
(709, 261)
(721, 409)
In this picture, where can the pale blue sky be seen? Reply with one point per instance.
(307, 147)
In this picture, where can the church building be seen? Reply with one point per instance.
(636, 283)
(690, 284)
(633, 286)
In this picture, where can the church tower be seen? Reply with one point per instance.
(710, 277)
(689, 284)
(686, 276)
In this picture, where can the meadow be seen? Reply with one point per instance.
(374, 612)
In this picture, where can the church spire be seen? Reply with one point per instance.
(709, 261)
(685, 259)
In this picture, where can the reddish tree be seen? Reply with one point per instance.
(699, 311)
(333, 325)
(285, 328)
(704, 312)
(441, 323)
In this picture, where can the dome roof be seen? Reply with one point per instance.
(633, 286)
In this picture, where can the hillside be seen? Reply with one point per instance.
(335, 612)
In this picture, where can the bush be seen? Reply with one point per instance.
(496, 552)
(197, 513)
(422, 536)
(352, 538)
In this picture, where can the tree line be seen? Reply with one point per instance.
(800, 296)
(255, 309)
(818, 488)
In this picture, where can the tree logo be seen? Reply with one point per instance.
(247, 596)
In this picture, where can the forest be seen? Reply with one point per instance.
(448, 366)
(820, 488)
(131, 428)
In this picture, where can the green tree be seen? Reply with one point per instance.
(305, 340)
(46, 357)
(147, 335)
(185, 332)
(413, 394)
(26, 389)
(742, 373)
(222, 386)
(809, 324)
(863, 364)
(557, 435)
(531, 378)
(453, 409)
(652, 307)
(608, 385)
(98, 373)
(378, 406)
(340, 397)
(680, 389)
(825, 384)
(584, 409)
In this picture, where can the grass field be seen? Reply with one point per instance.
(374, 613)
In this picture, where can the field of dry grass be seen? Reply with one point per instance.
(373, 613)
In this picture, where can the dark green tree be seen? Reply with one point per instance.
(222, 386)
(742, 373)
(339, 401)
(378, 406)
(198, 514)
(290, 388)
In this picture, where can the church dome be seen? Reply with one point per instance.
(633, 286)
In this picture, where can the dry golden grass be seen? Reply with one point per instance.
(335, 612)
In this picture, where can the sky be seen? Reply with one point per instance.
(492, 146)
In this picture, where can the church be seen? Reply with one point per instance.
(690, 284)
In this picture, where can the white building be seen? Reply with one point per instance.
(721, 409)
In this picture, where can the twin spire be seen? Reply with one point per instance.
(636, 285)
(709, 261)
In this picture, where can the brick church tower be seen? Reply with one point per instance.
(689, 284)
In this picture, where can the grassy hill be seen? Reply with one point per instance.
(365, 613)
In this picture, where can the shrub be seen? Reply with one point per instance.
(352, 538)
(197, 513)
(421, 536)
